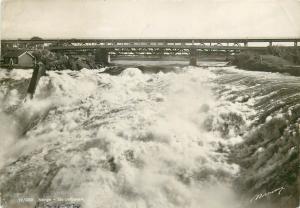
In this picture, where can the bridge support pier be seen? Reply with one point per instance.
(193, 57)
(101, 56)
(270, 43)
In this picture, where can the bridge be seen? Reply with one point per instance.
(104, 48)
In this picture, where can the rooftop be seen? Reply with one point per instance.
(15, 53)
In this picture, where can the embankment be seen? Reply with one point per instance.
(274, 59)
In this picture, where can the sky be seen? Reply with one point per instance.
(150, 18)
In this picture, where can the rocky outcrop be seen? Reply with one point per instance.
(57, 61)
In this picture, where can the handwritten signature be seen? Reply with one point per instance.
(263, 195)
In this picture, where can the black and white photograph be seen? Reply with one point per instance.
(150, 104)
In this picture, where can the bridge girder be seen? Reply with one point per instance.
(144, 46)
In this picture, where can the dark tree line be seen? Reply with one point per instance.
(58, 61)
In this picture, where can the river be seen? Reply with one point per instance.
(155, 134)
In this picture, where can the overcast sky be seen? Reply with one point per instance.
(149, 18)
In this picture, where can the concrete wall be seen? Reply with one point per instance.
(101, 56)
(25, 60)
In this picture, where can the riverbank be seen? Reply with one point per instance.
(275, 59)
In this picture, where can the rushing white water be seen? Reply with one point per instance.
(132, 140)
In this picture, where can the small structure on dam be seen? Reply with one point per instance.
(18, 59)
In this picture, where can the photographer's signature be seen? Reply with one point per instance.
(263, 195)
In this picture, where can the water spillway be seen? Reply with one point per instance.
(180, 137)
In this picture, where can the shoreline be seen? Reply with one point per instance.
(276, 59)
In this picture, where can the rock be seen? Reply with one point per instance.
(58, 61)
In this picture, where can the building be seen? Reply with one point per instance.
(18, 59)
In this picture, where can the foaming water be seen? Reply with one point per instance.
(132, 140)
(269, 155)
